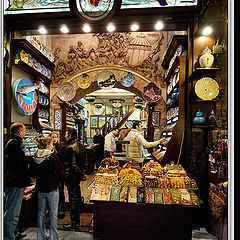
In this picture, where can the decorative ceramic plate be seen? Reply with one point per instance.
(106, 79)
(84, 81)
(207, 88)
(128, 80)
(152, 93)
(66, 91)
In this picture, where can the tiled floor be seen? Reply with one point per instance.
(83, 234)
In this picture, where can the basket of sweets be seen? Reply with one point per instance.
(109, 163)
(127, 171)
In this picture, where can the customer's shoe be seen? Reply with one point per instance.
(71, 226)
(21, 236)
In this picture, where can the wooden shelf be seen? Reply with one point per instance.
(19, 44)
(175, 42)
(26, 68)
(172, 70)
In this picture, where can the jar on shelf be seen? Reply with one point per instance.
(199, 119)
(206, 60)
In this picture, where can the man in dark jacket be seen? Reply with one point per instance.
(74, 162)
(98, 144)
(16, 178)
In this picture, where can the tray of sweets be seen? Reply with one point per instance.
(132, 194)
(194, 198)
(185, 196)
(149, 195)
(176, 196)
(124, 194)
(105, 193)
(158, 196)
(115, 193)
(167, 198)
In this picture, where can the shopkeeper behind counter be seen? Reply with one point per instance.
(137, 142)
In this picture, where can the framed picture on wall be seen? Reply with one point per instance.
(156, 119)
(94, 122)
(109, 110)
(101, 121)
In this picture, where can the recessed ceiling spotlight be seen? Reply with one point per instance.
(134, 27)
(111, 27)
(159, 25)
(64, 28)
(86, 28)
(207, 31)
(42, 30)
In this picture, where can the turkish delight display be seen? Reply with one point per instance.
(105, 193)
(105, 178)
(167, 197)
(185, 196)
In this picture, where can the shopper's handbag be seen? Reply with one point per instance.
(8, 175)
(217, 202)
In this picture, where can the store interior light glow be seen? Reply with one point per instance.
(86, 28)
(42, 30)
(207, 31)
(111, 27)
(64, 28)
(134, 27)
(159, 25)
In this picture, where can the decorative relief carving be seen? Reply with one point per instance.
(139, 52)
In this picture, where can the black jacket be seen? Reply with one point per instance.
(100, 140)
(48, 170)
(74, 162)
(16, 164)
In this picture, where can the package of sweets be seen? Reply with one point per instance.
(158, 197)
(167, 198)
(124, 194)
(149, 194)
(132, 194)
(194, 197)
(140, 195)
(115, 193)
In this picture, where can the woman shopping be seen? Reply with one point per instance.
(48, 170)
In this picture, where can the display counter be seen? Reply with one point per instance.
(119, 220)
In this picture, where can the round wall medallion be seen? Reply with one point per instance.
(106, 80)
(128, 80)
(94, 10)
(25, 93)
(207, 88)
(66, 91)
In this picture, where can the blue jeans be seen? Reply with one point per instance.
(13, 203)
(51, 200)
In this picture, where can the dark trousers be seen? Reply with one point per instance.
(61, 205)
(99, 156)
(107, 154)
(74, 194)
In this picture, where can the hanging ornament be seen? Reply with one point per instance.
(117, 103)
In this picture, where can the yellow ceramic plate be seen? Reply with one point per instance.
(207, 88)
(84, 81)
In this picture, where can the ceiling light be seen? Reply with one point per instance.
(64, 28)
(42, 30)
(86, 28)
(134, 27)
(111, 27)
(207, 31)
(159, 25)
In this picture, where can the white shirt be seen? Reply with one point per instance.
(110, 144)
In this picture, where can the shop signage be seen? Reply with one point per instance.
(25, 93)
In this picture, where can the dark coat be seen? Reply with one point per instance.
(100, 140)
(16, 164)
(74, 162)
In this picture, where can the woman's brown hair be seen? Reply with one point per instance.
(43, 142)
